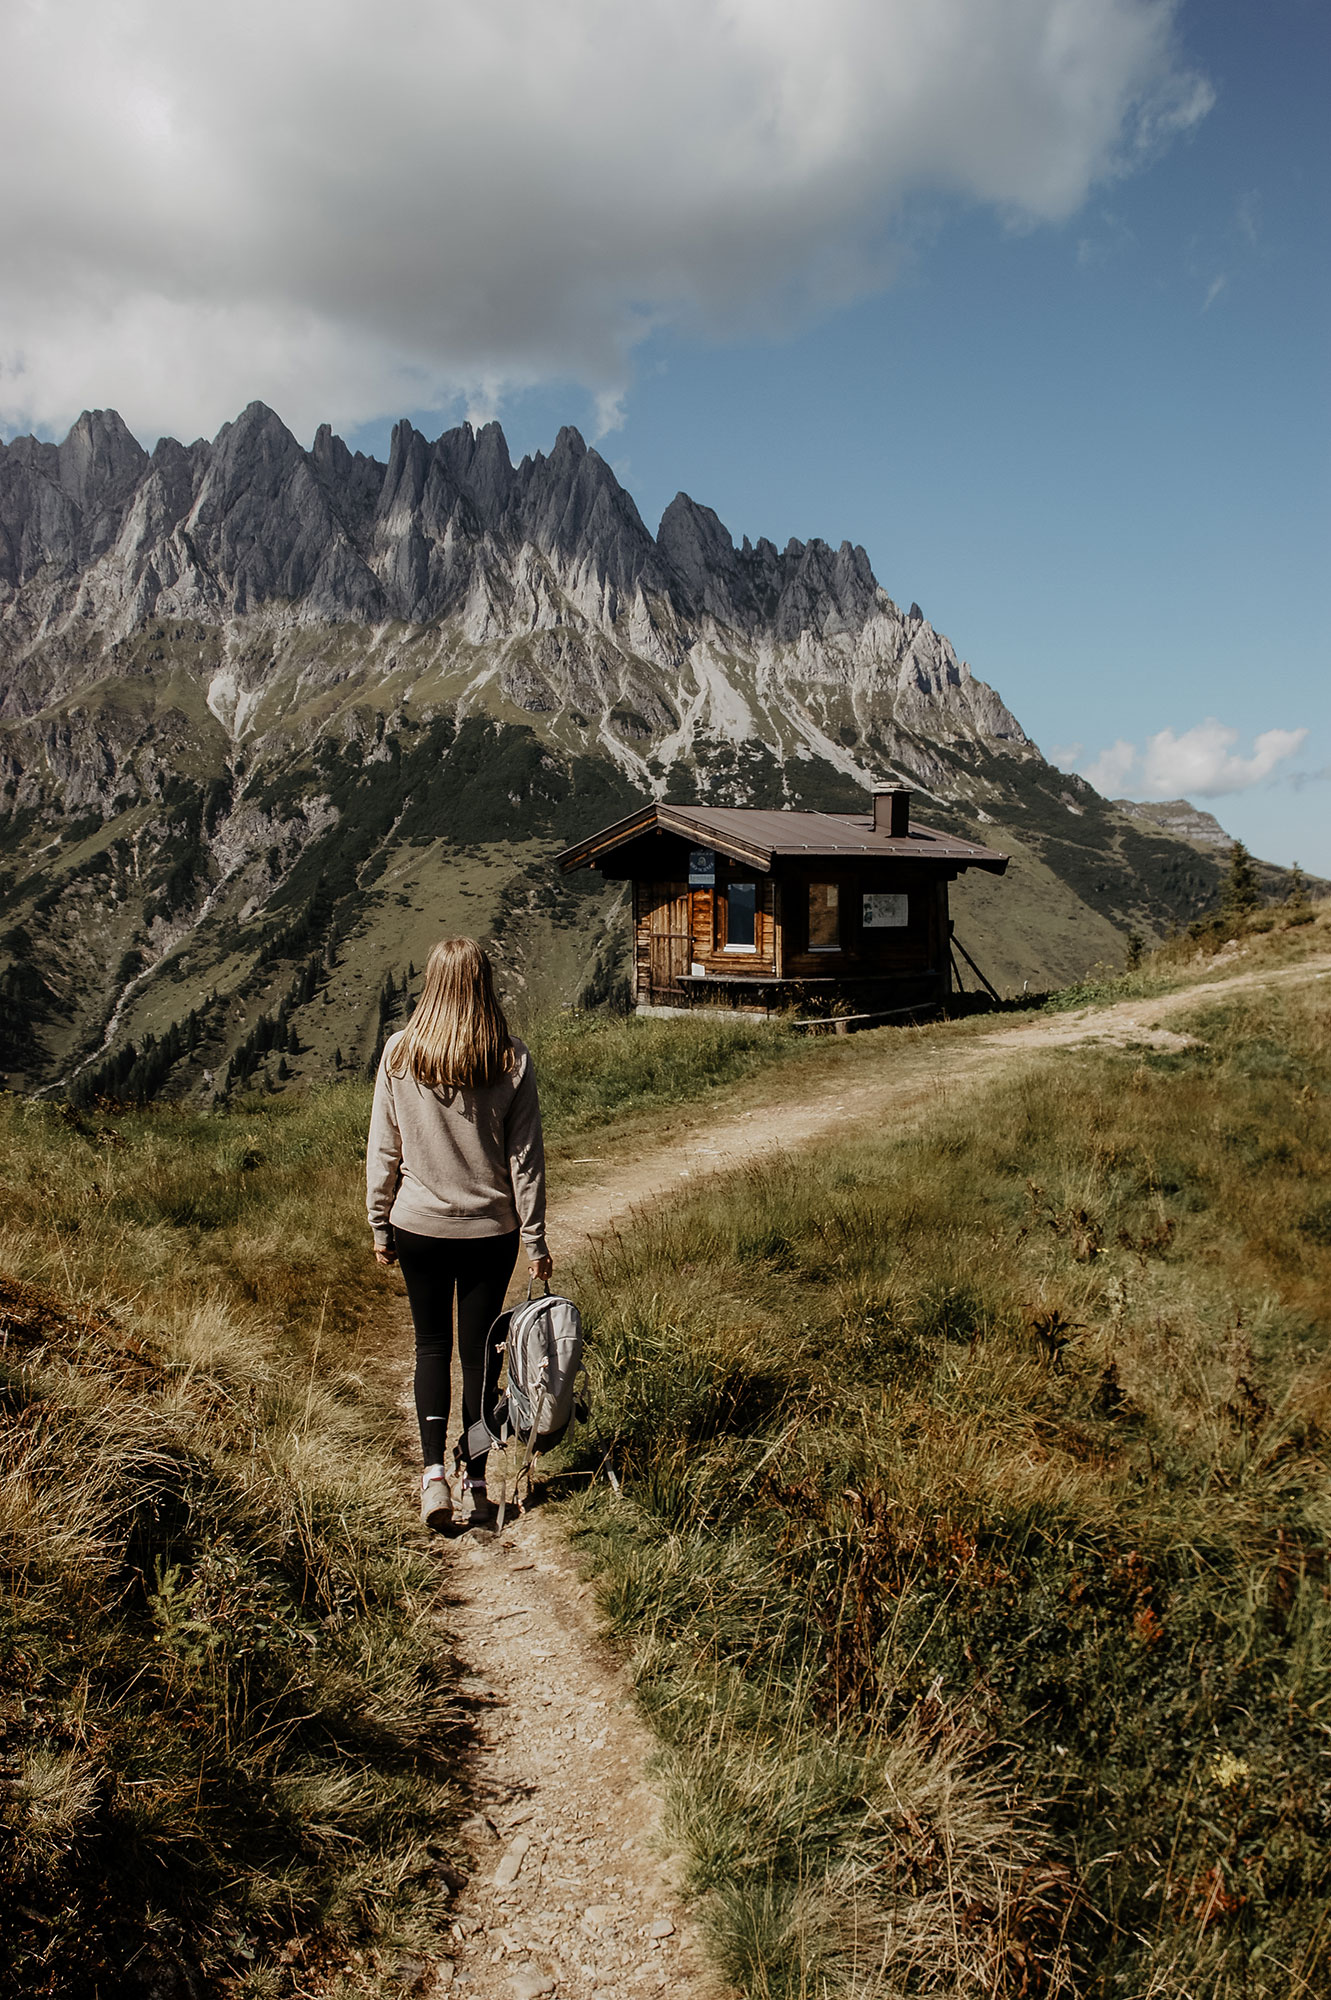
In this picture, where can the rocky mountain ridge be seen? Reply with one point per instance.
(254, 519)
(546, 566)
(258, 701)
(1180, 817)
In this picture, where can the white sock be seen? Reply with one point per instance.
(431, 1472)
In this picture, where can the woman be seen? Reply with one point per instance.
(455, 1179)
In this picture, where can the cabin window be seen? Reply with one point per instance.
(824, 916)
(741, 916)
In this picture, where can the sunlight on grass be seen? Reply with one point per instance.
(972, 1554)
(972, 1540)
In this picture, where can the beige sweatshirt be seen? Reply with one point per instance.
(457, 1162)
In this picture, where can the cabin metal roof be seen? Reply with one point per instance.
(757, 837)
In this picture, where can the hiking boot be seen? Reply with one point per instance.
(436, 1505)
(483, 1511)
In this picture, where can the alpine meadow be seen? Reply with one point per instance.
(665, 1001)
(966, 1546)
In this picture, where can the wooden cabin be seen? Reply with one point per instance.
(831, 914)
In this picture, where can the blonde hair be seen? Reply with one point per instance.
(457, 1037)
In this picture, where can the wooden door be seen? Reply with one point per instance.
(670, 941)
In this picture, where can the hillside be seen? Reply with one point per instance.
(970, 1546)
(272, 719)
(969, 1507)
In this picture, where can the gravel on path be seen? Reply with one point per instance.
(568, 1892)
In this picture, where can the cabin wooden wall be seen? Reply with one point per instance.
(677, 927)
(707, 924)
(662, 940)
(917, 947)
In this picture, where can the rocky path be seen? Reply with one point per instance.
(569, 1893)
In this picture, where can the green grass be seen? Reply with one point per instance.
(1278, 934)
(972, 1550)
(971, 1554)
(227, 1723)
(595, 1068)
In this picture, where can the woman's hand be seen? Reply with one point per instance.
(540, 1268)
(384, 1254)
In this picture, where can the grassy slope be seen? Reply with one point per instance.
(436, 830)
(973, 1546)
(228, 1728)
(226, 1725)
(226, 1721)
(1027, 928)
(362, 853)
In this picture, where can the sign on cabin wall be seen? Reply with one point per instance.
(702, 868)
(885, 913)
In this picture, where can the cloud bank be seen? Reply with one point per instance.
(353, 210)
(1198, 763)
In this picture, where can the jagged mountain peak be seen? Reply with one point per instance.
(570, 443)
(99, 458)
(270, 520)
(547, 566)
(270, 674)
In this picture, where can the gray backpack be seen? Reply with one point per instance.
(540, 1343)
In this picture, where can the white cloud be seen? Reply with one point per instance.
(1202, 760)
(1198, 763)
(353, 210)
(1109, 771)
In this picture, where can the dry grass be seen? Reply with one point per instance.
(229, 1739)
(1215, 948)
(993, 1458)
(595, 1068)
(974, 1559)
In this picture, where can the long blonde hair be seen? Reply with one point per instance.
(457, 1037)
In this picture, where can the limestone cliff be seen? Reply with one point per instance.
(258, 701)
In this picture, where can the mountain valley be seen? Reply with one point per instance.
(271, 720)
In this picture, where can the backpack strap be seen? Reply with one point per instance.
(484, 1434)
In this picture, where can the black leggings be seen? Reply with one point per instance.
(478, 1269)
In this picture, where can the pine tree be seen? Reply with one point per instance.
(1136, 945)
(1296, 895)
(1241, 895)
(337, 1058)
(282, 1071)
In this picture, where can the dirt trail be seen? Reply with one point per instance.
(568, 1892)
(910, 1079)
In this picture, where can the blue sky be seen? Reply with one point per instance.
(1030, 297)
(1094, 451)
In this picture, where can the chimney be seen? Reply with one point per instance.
(891, 810)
